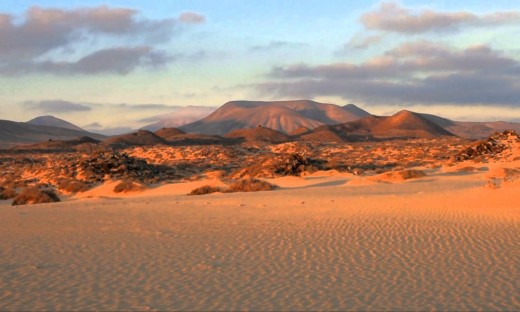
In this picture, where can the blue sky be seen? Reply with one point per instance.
(115, 63)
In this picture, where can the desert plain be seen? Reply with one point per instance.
(425, 224)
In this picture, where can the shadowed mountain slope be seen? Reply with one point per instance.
(16, 133)
(259, 134)
(53, 122)
(139, 138)
(179, 117)
(404, 124)
(169, 133)
(60, 145)
(470, 129)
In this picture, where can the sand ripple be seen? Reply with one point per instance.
(235, 255)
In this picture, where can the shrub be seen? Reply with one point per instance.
(468, 169)
(7, 193)
(72, 186)
(412, 174)
(128, 186)
(511, 174)
(250, 185)
(35, 195)
(206, 189)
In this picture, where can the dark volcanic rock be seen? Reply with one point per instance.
(488, 148)
(281, 165)
(116, 165)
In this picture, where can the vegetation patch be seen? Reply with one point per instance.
(244, 185)
(7, 193)
(128, 186)
(35, 195)
(72, 186)
(291, 164)
(206, 189)
(411, 174)
(250, 185)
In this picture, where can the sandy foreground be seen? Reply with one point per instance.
(329, 241)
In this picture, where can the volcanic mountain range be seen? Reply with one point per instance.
(283, 116)
(273, 122)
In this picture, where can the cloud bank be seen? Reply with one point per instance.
(392, 17)
(28, 46)
(411, 73)
(56, 106)
(414, 72)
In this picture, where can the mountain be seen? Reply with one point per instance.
(60, 145)
(409, 125)
(139, 138)
(283, 116)
(259, 134)
(472, 129)
(169, 133)
(353, 109)
(15, 133)
(404, 124)
(53, 122)
(179, 117)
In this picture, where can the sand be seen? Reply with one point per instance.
(327, 241)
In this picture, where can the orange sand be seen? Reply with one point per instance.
(327, 241)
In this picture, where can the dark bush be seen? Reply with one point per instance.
(250, 185)
(412, 174)
(72, 186)
(206, 189)
(35, 195)
(7, 193)
(128, 186)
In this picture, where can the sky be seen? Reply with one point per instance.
(118, 64)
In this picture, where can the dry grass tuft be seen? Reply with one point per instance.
(250, 185)
(468, 169)
(245, 185)
(35, 195)
(7, 193)
(206, 189)
(72, 186)
(128, 186)
(412, 174)
(511, 174)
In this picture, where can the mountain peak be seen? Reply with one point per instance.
(356, 110)
(51, 121)
(283, 116)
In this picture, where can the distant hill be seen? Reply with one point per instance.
(53, 122)
(353, 109)
(404, 124)
(200, 139)
(59, 145)
(259, 134)
(166, 136)
(283, 116)
(16, 133)
(408, 124)
(472, 129)
(179, 117)
(169, 133)
(139, 138)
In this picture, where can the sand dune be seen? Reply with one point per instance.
(318, 245)
(440, 235)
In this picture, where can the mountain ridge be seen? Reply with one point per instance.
(52, 121)
(14, 133)
(283, 116)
